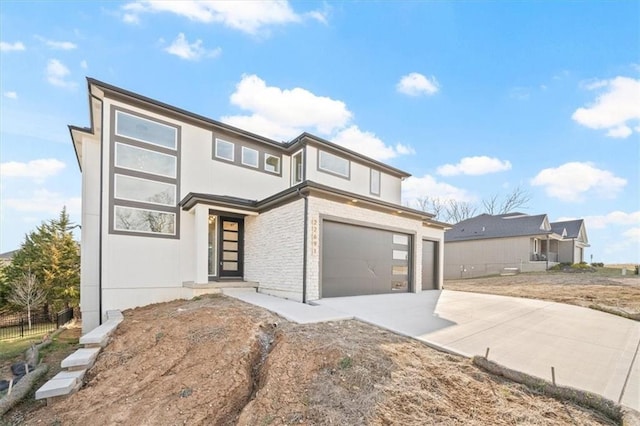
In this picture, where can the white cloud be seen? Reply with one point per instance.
(416, 84)
(474, 166)
(286, 112)
(57, 72)
(251, 16)
(571, 181)
(369, 144)
(11, 47)
(427, 186)
(615, 109)
(43, 200)
(615, 218)
(57, 45)
(37, 170)
(282, 114)
(191, 51)
(84, 65)
(11, 95)
(632, 234)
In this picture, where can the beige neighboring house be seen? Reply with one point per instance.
(6, 258)
(492, 244)
(175, 204)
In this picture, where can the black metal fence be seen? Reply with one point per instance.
(16, 326)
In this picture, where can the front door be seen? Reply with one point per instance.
(231, 250)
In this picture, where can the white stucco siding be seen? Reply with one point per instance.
(90, 238)
(359, 181)
(202, 174)
(320, 208)
(273, 257)
(142, 270)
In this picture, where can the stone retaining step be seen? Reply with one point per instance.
(81, 359)
(99, 336)
(63, 383)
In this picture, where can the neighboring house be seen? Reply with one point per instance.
(174, 202)
(6, 258)
(490, 244)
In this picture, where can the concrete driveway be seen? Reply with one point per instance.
(589, 350)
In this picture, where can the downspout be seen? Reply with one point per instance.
(304, 246)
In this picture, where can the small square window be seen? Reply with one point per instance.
(249, 157)
(271, 163)
(224, 150)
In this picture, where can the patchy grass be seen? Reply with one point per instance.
(14, 348)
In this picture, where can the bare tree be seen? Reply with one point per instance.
(515, 199)
(27, 294)
(431, 205)
(457, 211)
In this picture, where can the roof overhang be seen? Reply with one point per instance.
(304, 189)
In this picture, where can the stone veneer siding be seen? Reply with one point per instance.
(273, 245)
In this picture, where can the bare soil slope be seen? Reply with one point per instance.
(220, 361)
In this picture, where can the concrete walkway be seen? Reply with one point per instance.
(589, 350)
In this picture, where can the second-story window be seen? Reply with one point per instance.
(224, 150)
(296, 168)
(271, 163)
(333, 164)
(374, 185)
(249, 157)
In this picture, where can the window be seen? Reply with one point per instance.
(400, 255)
(224, 150)
(249, 157)
(144, 220)
(296, 168)
(271, 163)
(401, 239)
(148, 191)
(144, 130)
(142, 160)
(374, 186)
(333, 164)
(144, 176)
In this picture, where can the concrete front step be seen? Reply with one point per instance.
(191, 289)
(81, 359)
(63, 383)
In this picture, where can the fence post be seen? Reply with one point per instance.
(21, 327)
(57, 321)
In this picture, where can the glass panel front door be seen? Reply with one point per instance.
(231, 238)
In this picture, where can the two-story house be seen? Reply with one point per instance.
(173, 202)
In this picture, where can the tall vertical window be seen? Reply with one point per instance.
(144, 176)
(374, 186)
(296, 168)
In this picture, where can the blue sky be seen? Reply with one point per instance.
(472, 98)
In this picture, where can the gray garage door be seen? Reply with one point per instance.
(357, 260)
(429, 265)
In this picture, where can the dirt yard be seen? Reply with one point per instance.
(218, 361)
(616, 294)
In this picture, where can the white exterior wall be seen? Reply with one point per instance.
(319, 207)
(360, 180)
(90, 237)
(273, 245)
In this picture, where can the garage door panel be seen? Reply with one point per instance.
(358, 260)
